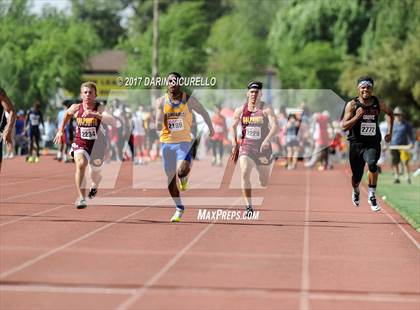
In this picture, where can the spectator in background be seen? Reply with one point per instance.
(139, 136)
(402, 135)
(220, 135)
(322, 141)
(49, 133)
(61, 152)
(292, 141)
(152, 142)
(20, 137)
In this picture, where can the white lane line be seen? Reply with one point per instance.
(30, 180)
(260, 292)
(32, 215)
(140, 292)
(66, 245)
(190, 201)
(373, 297)
(304, 291)
(64, 289)
(409, 236)
(56, 208)
(36, 193)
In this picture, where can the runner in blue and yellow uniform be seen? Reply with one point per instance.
(173, 120)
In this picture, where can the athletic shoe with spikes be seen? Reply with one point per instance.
(373, 204)
(177, 215)
(92, 192)
(81, 204)
(355, 198)
(183, 184)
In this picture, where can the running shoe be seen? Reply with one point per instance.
(373, 204)
(355, 197)
(30, 159)
(36, 160)
(249, 211)
(177, 215)
(92, 192)
(81, 204)
(183, 184)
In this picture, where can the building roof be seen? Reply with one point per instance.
(108, 61)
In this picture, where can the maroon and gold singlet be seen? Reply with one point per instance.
(254, 130)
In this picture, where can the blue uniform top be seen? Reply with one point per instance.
(402, 133)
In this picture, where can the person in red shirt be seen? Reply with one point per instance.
(220, 135)
(322, 140)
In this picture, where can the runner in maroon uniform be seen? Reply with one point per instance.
(89, 142)
(6, 124)
(259, 125)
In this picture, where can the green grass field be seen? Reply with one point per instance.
(403, 197)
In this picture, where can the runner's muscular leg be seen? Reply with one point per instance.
(264, 174)
(95, 172)
(81, 163)
(246, 164)
(183, 168)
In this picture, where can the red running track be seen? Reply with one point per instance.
(310, 248)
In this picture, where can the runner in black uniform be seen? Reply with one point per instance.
(361, 117)
(6, 125)
(33, 120)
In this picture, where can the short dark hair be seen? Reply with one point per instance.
(365, 78)
(255, 84)
(178, 75)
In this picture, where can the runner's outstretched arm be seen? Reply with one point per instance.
(104, 116)
(274, 128)
(198, 107)
(159, 114)
(67, 117)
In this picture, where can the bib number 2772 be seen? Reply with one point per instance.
(368, 129)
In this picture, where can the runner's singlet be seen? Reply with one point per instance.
(254, 129)
(176, 121)
(366, 129)
(88, 129)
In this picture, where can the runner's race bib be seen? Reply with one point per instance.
(368, 129)
(218, 129)
(253, 133)
(88, 133)
(176, 124)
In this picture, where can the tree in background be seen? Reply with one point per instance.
(40, 54)
(236, 47)
(390, 53)
(309, 39)
(182, 32)
(104, 16)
